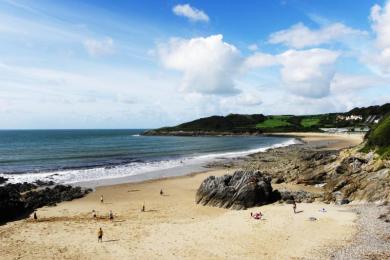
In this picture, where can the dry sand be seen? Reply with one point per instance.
(174, 227)
(331, 141)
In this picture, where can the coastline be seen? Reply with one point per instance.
(321, 141)
(157, 166)
(173, 226)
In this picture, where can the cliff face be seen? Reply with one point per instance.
(358, 176)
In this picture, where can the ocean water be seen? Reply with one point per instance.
(76, 156)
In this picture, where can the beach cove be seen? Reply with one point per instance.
(173, 226)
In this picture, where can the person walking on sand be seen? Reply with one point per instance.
(35, 216)
(143, 207)
(161, 192)
(100, 235)
(294, 206)
(93, 213)
(101, 199)
(111, 216)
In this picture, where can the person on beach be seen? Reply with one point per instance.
(257, 216)
(294, 206)
(143, 207)
(35, 216)
(100, 235)
(93, 213)
(111, 216)
(101, 199)
(161, 192)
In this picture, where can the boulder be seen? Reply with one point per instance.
(242, 190)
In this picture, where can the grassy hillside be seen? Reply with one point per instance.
(258, 123)
(379, 138)
(274, 122)
(231, 123)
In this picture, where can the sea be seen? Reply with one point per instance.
(102, 157)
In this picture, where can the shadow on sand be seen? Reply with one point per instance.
(111, 240)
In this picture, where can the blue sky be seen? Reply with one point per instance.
(145, 64)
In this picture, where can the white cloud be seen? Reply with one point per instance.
(347, 82)
(248, 99)
(260, 59)
(380, 17)
(191, 13)
(300, 36)
(253, 47)
(98, 48)
(209, 64)
(308, 73)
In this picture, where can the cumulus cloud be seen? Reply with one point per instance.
(209, 65)
(300, 36)
(260, 59)
(380, 18)
(308, 73)
(97, 48)
(347, 82)
(191, 13)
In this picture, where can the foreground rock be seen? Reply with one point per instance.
(241, 190)
(21, 199)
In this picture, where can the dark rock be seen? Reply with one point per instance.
(342, 201)
(3, 180)
(20, 199)
(278, 180)
(23, 187)
(243, 189)
(11, 205)
(313, 179)
(298, 196)
(44, 183)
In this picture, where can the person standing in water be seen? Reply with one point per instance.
(101, 199)
(100, 235)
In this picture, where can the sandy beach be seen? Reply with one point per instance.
(175, 227)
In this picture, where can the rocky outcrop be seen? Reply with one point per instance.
(243, 189)
(19, 200)
(298, 196)
(345, 176)
(358, 177)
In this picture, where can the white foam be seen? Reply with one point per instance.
(131, 169)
